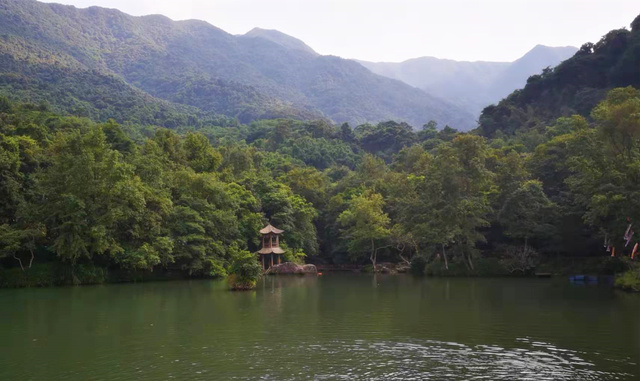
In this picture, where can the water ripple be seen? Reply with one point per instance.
(435, 360)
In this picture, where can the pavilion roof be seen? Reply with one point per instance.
(271, 250)
(270, 229)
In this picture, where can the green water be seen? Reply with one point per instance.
(334, 327)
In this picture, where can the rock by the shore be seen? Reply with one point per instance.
(402, 268)
(310, 269)
(291, 268)
(386, 270)
(393, 268)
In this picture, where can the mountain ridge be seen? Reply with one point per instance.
(472, 85)
(575, 86)
(196, 64)
(280, 38)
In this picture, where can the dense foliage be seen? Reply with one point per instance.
(92, 198)
(128, 198)
(87, 193)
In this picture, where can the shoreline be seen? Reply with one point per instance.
(56, 274)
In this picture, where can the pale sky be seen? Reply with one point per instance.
(395, 30)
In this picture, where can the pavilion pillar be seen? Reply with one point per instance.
(271, 259)
(279, 256)
(262, 261)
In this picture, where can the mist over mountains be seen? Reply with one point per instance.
(103, 63)
(472, 85)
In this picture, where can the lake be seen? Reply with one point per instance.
(332, 327)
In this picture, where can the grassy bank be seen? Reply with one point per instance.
(627, 273)
(492, 266)
(57, 274)
(629, 280)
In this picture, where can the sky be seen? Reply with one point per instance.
(396, 30)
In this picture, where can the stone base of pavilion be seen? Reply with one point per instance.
(290, 268)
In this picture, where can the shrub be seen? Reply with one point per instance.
(520, 259)
(244, 270)
(52, 274)
(629, 280)
(418, 265)
(89, 274)
(483, 267)
(437, 268)
(613, 265)
(491, 267)
(585, 265)
(294, 256)
(368, 269)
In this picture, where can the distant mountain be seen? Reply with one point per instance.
(471, 85)
(573, 87)
(281, 39)
(108, 64)
(533, 62)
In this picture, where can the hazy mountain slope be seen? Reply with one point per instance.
(97, 42)
(280, 38)
(39, 75)
(516, 74)
(471, 85)
(197, 64)
(573, 87)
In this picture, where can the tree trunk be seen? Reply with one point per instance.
(470, 262)
(373, 255)
(19, 261)
(32, 256)
(465, 260)
(444, 255)
(405, 260)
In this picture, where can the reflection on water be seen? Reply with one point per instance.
(335, 327)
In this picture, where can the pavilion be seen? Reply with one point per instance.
(271, 252)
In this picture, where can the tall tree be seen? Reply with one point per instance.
(366, 226)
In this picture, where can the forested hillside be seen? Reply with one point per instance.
(76, 59)
(104, 198)
(573, 87)
(86, 201)
(472, 85)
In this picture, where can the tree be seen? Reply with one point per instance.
(117, 138)
(346, 133)
(11, 178)
(200, 154)
(5, 105)
(520, 259)
(365, 226)
(308, 183)
(404, 242)
(604, 165)
(527, 212)
(448, 202)
(13, 240)
(385, 139)
(92, 203)
(244, 270)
